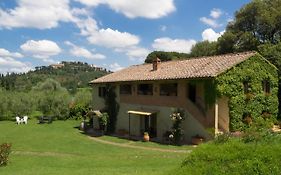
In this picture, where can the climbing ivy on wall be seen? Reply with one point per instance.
(256, 104)
(111, 107)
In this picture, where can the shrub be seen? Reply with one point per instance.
(103, 121)
(5, 150)
(222, 138)
(177, 117)
(235, 157)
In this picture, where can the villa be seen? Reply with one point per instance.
(208, 89)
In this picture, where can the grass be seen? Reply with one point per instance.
(59, 148)
(146, 144)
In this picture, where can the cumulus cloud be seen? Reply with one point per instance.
(135, 53)
(113, 38)
(210, 35)
(211, 22)
(39, 14)
(8, 62)
(82, 52)
(216, 13)
(115, 67)
(173, 45)
(136, 8)
(41, 49)
(6, 53)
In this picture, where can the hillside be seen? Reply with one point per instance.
(71, 75)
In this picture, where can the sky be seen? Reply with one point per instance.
(107, 33)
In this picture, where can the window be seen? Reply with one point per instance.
(145, 89)
(169, 89)
(246, 86)
(192, 92)
(126, 89)
(266, 86)
(102, 91)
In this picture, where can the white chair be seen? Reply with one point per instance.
(18, 120)
(24, 120)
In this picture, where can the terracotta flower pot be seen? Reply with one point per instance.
(146, 137)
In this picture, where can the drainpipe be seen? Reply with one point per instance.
(216, 117)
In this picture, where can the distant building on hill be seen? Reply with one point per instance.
(57, 66)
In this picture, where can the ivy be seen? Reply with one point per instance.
(255, 103)
(111, 107)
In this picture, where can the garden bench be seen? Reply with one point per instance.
(45, 119)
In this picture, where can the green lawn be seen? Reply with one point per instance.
(59, 148)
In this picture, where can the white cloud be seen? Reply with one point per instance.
(210, 35)
(39, 14)
(210, 22)
(113, 38)
(82, 52)
(87, 26)
(135, 53)
(136, 8)
(9, 64)
(6, 53)
(115, 67)
(173, 45)
(216, 13)
(41, 49)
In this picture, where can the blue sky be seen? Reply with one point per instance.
(110, 33)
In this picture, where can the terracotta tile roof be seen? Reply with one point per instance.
(202, 67)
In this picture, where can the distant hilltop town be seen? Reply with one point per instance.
(74, 65)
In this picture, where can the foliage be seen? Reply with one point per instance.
(14, 104)
(78, 112)
(103, 120)
(204, 48)
(5, 150)
(52, 99)
(222, 138)
(234, 157)
(177, 117)
(72, 75)
(165, 56)
(230, 84)
(111, 107)
(83, 97)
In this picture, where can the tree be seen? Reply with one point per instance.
(204, 48)
(165, 56)
(52, 99)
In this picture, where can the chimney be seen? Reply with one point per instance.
(156, 64)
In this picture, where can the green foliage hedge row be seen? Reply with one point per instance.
(48, 98)
(254, 70)
(234, 156)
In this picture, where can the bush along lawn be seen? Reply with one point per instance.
(253, 153)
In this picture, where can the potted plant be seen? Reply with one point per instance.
(146, 136)
(196, 140)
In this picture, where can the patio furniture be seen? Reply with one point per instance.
(24, 120)
(18, 120)
(45, 119)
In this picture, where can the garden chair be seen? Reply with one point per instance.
(18, 120)
(24, 120)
